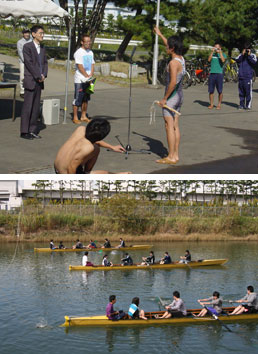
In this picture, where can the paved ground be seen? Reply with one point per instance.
(214, 141)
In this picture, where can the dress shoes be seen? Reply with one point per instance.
(35, 136)
(27, 136)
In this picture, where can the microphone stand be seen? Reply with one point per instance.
(128, 147)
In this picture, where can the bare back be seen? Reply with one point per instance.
(75, 152)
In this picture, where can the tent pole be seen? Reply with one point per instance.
(67, 72)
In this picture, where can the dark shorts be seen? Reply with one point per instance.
(215, 80)
(212, 310)
(250, 309)
(80, 95)
(175, 313)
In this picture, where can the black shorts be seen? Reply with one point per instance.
(250, 309)
(176, 313)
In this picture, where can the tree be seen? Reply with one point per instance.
(231, 22)
(143, 21)
(84, 24)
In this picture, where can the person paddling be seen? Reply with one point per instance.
(106, 244)
(166, 259)
(52, 245)
(250, 301)
(111, 313)
(186, 258)
(176, 309)
(216, 303)
(149, 260)
(127, 260)
(122, 243)
(85, 261)
(134, 312)
(105, 262)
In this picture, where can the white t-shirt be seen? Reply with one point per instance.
(84, 260)
(86, 58)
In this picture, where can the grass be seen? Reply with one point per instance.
(61, 226)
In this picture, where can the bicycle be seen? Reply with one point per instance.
(231, 71)
(162, 70)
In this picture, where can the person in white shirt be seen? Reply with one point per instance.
(85, 261)
(25, 39)
(84, 61)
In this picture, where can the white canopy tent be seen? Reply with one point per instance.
(38, 8)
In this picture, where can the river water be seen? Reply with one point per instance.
(37, 290)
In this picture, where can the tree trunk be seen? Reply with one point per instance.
(122, 48)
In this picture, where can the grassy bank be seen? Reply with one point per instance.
(62, 226)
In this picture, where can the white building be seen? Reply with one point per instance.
(12, 193)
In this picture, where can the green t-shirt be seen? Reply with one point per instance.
(217, 64)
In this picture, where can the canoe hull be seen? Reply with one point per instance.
(104, 321)
(131, 248)
(203, 263)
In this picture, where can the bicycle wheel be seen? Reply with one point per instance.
(162, 68)
(254, 76)
(186, 81)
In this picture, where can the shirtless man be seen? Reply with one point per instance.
(80, 152)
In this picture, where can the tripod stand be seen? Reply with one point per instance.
(128, 147)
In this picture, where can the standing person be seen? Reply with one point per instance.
(216, 303)
(249, 302)
(176, 308)
(35, 73)
(25, 39)
(246, 61)
(84, 61)
(173, 96)
(217, 59)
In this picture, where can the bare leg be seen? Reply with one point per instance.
(220, 101)
(211, 96)
(239, 309)
(202, 313)
(84, 111)
(178, 136)
(171, 139)
(142, 315)
(75, 115)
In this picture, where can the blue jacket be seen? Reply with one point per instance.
(246, 65)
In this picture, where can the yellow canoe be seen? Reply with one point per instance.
(129, 248)
(193, 264)
(102, 320)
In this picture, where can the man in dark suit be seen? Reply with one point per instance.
(35, 72)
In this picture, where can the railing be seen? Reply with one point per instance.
(98, 40)
(161, 211)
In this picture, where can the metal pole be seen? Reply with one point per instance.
(67, 72)
(156, 50)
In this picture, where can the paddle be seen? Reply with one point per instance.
(216, 318)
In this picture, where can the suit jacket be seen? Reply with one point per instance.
(32, 73)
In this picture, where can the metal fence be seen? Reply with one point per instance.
(161, 211)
